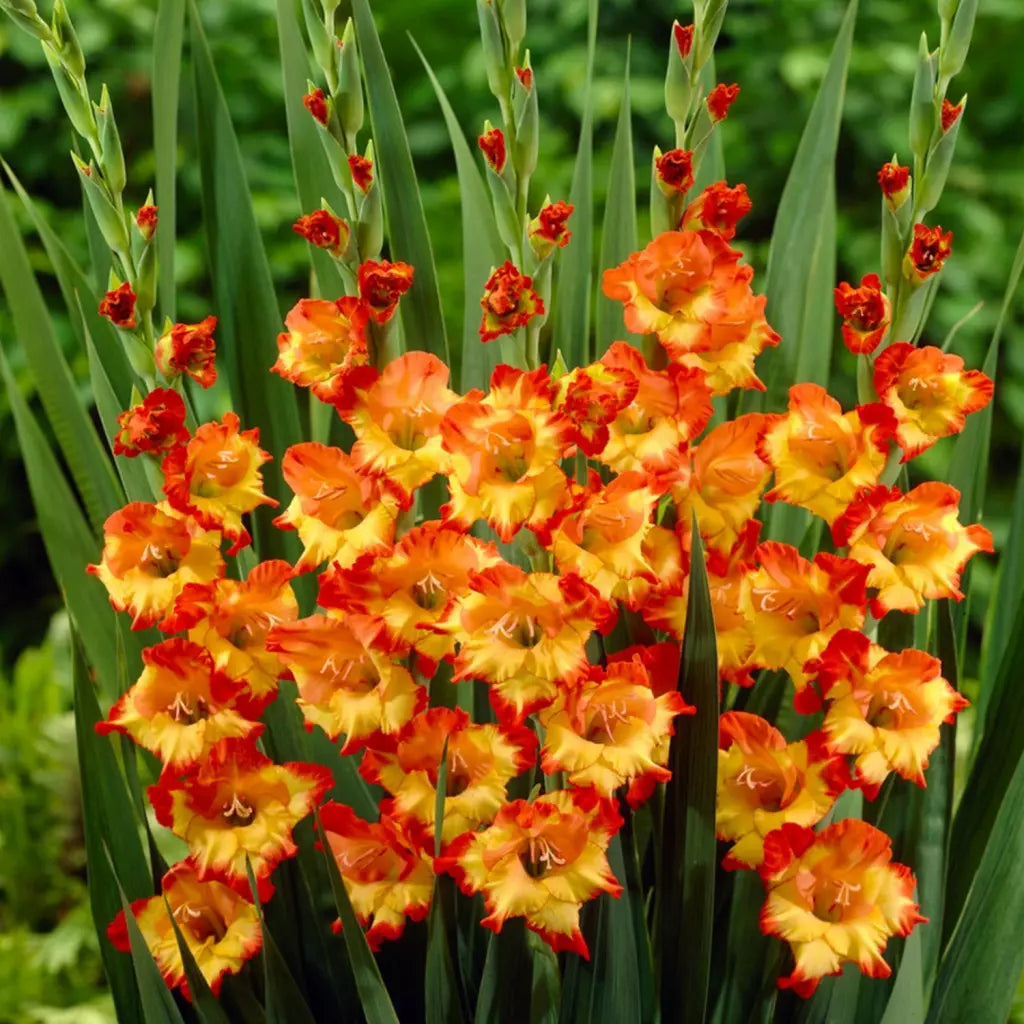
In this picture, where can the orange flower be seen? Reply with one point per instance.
(322, 229)
(181, 705)
(146, 221)
(231, 620)
(683, 35)
(913, 544)
(523, 633)
(794, 607)
(413, 589)
(509, 302)
(188, 349)
(339, 511)
(220, 928)
(609, 729)
(866, 314)
(238, 807)
(316, 103)
(381, 285)
(734, 637)
(492, 145)
(823, 457)
(387, 871)
(835, 897)
(950, 114)
(764, 782)
(540, 861)
(668, 409)
(674, 171)
(505, 452)
(216, 478)
(153, 426)
(928, 251)
(150, 553)
(347, 683)
(687, 288)
(397, 420)
(929, 392)
(482, 759)
(884, 709)
(325, 343)
(592, 397)
(717, 209)
(118, 306)
(720, 99)
(361, 169)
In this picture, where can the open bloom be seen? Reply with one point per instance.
(866, 313)
(764, 782)
(540, 861)
(913, 544)
(118, 306)
(324, 230)
(592, 397)
(835, 897)
(188, 349)
(216, 478)
(150, 553)
(928, 251)
(154, 425)
(220, 928)
(929, 392)
(381, 285)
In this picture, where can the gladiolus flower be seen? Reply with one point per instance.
(492, 145)
(883, 709)
(509, 302)
(381, 285)
(217, 479)
(824, 457)
(592, 397)
(913, 544)
(547, 230)
(386, 868)
(118, 306)
(482, 759)
(361, 168)
(950, 114)
(929, 392)
(720, 99)
(683, 35)
(150, 553)
(718, 208)
(674, 171)
(238, 807)
(866, 314)
(181, 706)
(220, 928)
(189, 349)
(525, 76)
(153, 426)
(146, 221)
(927, 253)
(324, 345)
(540, 861)
(316, 103)
(322, 229)
(895, 184)
(835, 897)
(764, 782)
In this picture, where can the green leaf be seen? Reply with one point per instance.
(93, 475)
(481, 245)
(69, 542)
(906, 1003)
(571, 320)
(207, 1008)
(802, 259)
(420, 308)
(444, 997)
(619, 237)
(168, 35)
(686, 890)
(507, 981)
(246, 306)
(372, 994)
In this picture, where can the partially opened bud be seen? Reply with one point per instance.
(362, 171)
(927, 253)
(674, 171)
(324, 230)
(492, 145)
(547, 230)
(146, 221)
(894, 181)
(865, 312)
(720, 99)
(316, 103)
(118, 306)
(677, 78)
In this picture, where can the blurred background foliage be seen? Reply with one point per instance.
(775, 49)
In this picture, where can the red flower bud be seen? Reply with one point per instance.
(675, 170)
(155, 425)
(381, 285)
(525, 76)
(146, 220)
(316, 103)
(509, 302)
(362, 171)
(188, 348)
(950, 114)
(548, 228)
(720, 99)
(492, 144)
(717, 209)
(865, 312)
(323, 230)
(118, 306)
(895, 183)
(928, 252)
(684, 39)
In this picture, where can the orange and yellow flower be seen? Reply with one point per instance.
(866, 314)
(221, 929)
(764, 782)
(823, 457)
(150, 553)
(913, 544)
(592, 397)
(929, 392)
(540, 861)
(835, 897)
(883, 709)
(216, 478)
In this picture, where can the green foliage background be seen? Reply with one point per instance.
(775, 49)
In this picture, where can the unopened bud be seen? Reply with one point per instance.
(709, 24)
(494, 49)
(947, 8)
(678, 92)
(320, 42)
(524, 103)
(370, 228)
(72, 95)
(922, 101)
(954, 53)
(350, 86)
(110, 222)
(146, 278)
(513, 16)
(111, 153)
(67, 41)
(939, 160)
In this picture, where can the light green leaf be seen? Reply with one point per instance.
(906, 1003)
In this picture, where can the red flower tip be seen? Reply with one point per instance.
(324, 230)
(950, 114)
(895, 183)
(684, 39)
(525, 76)
(381, 285)
(492, 145)
(928, 252)
(118, 306)
(155, 425)
(720, 99)
(146, 220)
(509, 301)
(865, 313)
(362, 171)
(675, 170)
(548, 228)
(316, 103)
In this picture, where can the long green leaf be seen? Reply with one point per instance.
(481, 245)
(906, 1003)
(207, 1008)
(507, 979)
(686, 892)
(571, 321)
(420, 309)
(93, 475)
(619, 237)
(802, 259)
(168, 36)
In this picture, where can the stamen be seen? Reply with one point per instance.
(843, 894)
(237, 808)
(746, 777)
(181, 708)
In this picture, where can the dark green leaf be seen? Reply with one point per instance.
(906, 1003)
(207, 1008)
(444, 998)
(506, 985)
